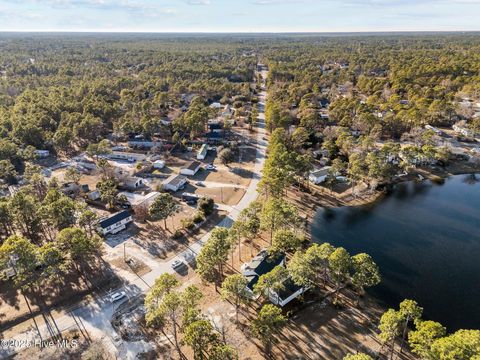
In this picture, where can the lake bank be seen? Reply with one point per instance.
(419, 236)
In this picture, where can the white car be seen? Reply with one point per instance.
(117, 296)
(176, 264)
(210, 167)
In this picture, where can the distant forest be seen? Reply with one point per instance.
(63, 92)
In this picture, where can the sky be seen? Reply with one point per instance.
(239, 15)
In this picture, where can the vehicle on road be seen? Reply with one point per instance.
(117, 296)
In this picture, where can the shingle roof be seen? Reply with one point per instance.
(263, 267)
(114, 219)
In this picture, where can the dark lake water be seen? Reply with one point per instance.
(425, 238)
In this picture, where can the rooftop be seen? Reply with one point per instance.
(175, 180)
(193, 165)
(115, 218)
(321, 172)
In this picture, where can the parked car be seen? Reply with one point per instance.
(199, 183)
(176, 264)
(210, 167)
(117, 296)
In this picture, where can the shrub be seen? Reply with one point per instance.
(198, 217)
(177, 234)
(188, 224)
(206, 206)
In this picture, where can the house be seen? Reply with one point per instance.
(132, 183)
(94, 195)
(214, 137)
(215, 126)
(42, 153)
(140, 200)
(216, 105)
(143, 144)
(174, 183)
(202, 153)
(324, 103)
(320, 175)
(69, 188)
(115, 223)
(191, 168)
(261, 264)
(128, 156)
(227, 111)
(324, 115)
(158, 164)
(290, 292)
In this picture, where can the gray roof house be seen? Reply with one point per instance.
(174, 182)
(191, 168)
(115, 223)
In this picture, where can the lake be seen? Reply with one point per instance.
(425, 238)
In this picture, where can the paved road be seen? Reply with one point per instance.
(94, 317)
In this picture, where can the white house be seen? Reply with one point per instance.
(319, 176)
(132, 183)
(191, 168)
(94, 195)
(202, 153)
(129, 156)
(158, 164)
(115, 223)
(290, 292)
(174, 182)
(216, 105)
(143, 144)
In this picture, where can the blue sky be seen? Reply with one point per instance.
(239, 15)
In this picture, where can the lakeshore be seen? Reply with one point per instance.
(417, 234)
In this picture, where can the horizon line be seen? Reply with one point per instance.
(236, 32)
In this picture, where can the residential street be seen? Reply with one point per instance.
(93, 318)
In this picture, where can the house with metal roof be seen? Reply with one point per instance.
(174, 183)
(115, 223)
(320, 175)
(202, 153)
(191, 168)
